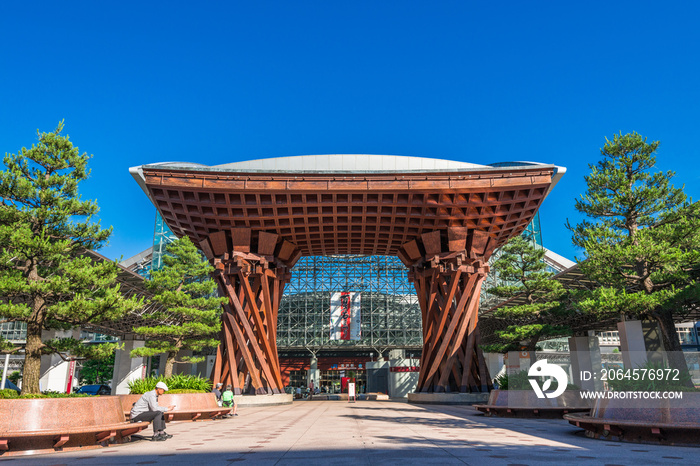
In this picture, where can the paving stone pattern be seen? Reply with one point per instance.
(368, 433)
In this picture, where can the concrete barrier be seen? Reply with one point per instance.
(247, 401)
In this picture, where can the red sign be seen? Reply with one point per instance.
(404, 369)
(71, 370)
(344, 315)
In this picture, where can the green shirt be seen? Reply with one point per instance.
(227, 396)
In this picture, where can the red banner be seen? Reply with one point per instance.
(404, 369)
(345, 315)
(71, 370)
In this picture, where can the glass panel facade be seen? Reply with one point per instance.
(390, 314)
(14, 331)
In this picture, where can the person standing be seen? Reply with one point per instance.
(148, 409)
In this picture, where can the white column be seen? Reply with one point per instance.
(585, 356)
(495, 363)
(313, 374)
(54, 370)
(5, 370)
(402, 383)
(210, 361)
(127, 368)
(517, 361)
(632, 345)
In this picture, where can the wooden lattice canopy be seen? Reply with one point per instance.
(255, 219)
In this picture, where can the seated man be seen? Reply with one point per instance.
(217, 393)
(148, 409)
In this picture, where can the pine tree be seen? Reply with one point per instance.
(97, 371)
(190, 313)
(46, 277)
(521, 269)
(642, 240)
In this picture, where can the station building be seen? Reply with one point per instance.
(383, 349)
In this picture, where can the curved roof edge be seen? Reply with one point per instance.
(343, 163)
(347, 162)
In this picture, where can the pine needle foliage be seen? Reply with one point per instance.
(46, 279)
(176, 384)
(190, 315)
(641, 239)
(521, 270)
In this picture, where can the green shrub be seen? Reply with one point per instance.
(182, 390)
(15, 377)
(11, 394)
(8, 393)
(176, 382)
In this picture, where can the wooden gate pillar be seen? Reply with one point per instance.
(447, 272)
(253, 282)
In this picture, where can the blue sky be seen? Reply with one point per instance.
(481, 82)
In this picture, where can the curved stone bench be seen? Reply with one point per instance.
(524, 403)
(665, 421)
(188, 406)
(57, 424)
(447, 398)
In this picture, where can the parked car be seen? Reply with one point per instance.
(10, 385)
(94, 390)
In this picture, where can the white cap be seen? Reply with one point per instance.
(162, 385)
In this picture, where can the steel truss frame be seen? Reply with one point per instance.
(390, 312)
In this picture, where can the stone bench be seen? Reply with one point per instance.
(524, 403)
(50, 424)
(664, 421)
(188, 406)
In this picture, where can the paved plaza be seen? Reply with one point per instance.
(368, 433)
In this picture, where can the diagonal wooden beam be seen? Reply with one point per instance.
(466, 311)
(247, 356)
(447, 337)
(273, 375)
(248, 330)
(232, 365)
(271, 318)
(215, 375)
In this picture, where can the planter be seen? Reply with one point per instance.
(250, 401)
(59, 424)
(649, 420)
(525, 403)
(188, 406)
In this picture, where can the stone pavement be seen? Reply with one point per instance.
(368, 433)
